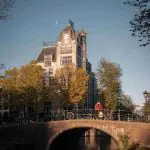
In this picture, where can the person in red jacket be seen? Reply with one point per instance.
(98, 110)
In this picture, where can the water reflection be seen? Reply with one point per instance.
(97, 140)
(84, 139)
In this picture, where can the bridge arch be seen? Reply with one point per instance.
(83, 125)
(69, 139)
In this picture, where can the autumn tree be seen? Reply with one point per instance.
(140, 24)
(78, 86)
(24, 84)
(5, 8)
(10, 84)
(109, 74)
(63, 77)
(73, 83)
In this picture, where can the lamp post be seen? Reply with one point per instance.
(119, 98)
(77, 109)
(145, 93)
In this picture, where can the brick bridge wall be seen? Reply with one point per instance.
(135, 131)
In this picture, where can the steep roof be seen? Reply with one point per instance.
(51, 50)
(83, 32)
(69, 30)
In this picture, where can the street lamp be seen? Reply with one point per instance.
(145, 93)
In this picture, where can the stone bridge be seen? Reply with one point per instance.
(134, 130)
(53, 134)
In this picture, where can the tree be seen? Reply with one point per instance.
(5, 8)
(126, 102)
(78, 86)
(140, 24)
(126, 145)
(108, 74)
(73, 82)
(23, 84)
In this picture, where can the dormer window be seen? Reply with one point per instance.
(47, 60)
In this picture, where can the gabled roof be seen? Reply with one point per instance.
(51, 50)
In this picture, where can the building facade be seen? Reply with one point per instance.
(4, 109)
(71, 48)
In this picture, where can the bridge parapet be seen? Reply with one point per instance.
(135, 131)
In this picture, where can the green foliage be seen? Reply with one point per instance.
(125, 145)
(125, 102)
(124, 142)
(109, 81)
(140, 25)
(135, 146)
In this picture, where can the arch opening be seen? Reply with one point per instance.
(84, 138)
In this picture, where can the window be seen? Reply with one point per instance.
(66, 49)
(79, 62)
(50, 71)
(50, 81)
(63, 81)
(47, 60)
(66, 38)
(79, 50)
(65, 60)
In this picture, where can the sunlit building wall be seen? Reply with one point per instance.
(71, 48)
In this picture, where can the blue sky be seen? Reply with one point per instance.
(106, 23)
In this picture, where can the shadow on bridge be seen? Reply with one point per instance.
(84, 139)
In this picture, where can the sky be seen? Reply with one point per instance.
(106, 23)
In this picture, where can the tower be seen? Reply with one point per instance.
(83, 47)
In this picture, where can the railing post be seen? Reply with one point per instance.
(128, 117)
(77, 110)
(132, 116)
(110, 117)
(64, 114)
(119, 115)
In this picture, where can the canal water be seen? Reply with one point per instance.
(97, 140)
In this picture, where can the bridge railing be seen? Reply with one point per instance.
(120, 115)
